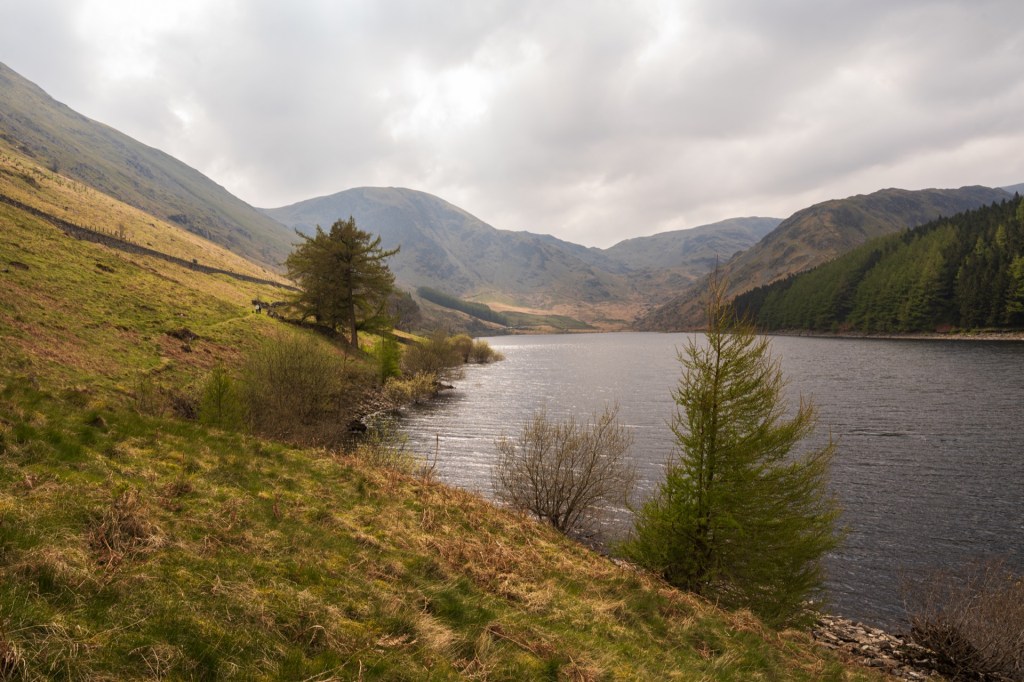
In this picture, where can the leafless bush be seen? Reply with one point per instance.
(565, 472)
(973, 620)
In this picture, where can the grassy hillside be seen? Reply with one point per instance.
(76, 314)
(818, 234)
(64, 141)
(56, 195)
(135, 544)
(135, 547)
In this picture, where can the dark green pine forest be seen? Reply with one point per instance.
(965, 272)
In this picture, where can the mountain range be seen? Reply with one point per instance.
(649, 282)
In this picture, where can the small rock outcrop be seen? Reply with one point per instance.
(874, 648)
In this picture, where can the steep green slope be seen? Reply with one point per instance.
(34, 124)
(818, 234)
(82, 316)
(25, 182)
(963, 272)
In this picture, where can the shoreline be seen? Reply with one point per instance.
(871, 647)
(906, 336)
(1005, 336)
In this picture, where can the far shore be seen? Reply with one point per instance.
(986, 335)
(1017, 335)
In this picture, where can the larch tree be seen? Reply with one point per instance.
(739, 518)
(344, 279)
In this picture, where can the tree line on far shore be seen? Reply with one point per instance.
(963, 272)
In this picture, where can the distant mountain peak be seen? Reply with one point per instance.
(446, 248)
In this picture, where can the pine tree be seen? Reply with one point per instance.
(344, 280)
(739, 518)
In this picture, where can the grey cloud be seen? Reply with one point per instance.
(594, 121)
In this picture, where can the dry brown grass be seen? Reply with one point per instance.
(63, 569)
(12, 661)
(124, 529)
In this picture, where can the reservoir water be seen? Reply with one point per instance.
(930, 466)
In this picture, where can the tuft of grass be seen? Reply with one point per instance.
(12, 661)
(124, 529)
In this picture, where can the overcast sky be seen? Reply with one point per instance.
(593, 121)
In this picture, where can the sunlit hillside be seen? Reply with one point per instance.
(57, 195)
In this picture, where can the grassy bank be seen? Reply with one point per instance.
(136, 544)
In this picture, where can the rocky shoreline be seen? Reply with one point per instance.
(875, 648)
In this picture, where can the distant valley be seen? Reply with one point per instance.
(446, 248)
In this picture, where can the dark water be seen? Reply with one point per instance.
(930, 468)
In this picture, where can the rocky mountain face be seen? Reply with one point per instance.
(665, 264)
(37, 126)
(816, 235)
(694, 248)
(444, 247)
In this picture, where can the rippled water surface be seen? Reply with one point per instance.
(930, 468)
